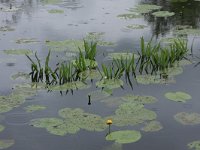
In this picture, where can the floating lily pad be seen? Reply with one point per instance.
(18, 51)
(178, 96)
(152, 126)
(110, 83)
(1, 128)
(129, 16)
(26, 41)
(66, 45)
(140, 99)
(145, 8)
(69, 86)
(88, 63)
(194, 145)
(46, 122)
(135, 26)
(174, 71)
(33, 108)
(124, 136)
(105, 43)
(6, 143)
(187, 118)
(20, 75)
(51, 1)
(6, 28)
(56, 11)
(163, 14)
(98, 94)
(122, 56)
(90, 74)
(94, 36)
(113, 101)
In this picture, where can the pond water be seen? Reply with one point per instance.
(33, 24)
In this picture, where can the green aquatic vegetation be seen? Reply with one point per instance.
(171, 40)
(18, 51)
(6, 143)
(110, 83)
(135, 26)
(178, 96)
(139, 99)
(66, 45)
(163, 14)
(153, 79)
(152, 126)
(194, 145)
(90, 74)
(187, 118)
(122, 55)
(98, 95)
(145, 8)
(51, 1)
(56, 11)
(105, 43)
(33, 108)
(46, 122)
(174, 71)
(6, 28)
(129, 16)
(124, 136)
(1, 128)
(186, 30)
(20, 75)
(26, 40)
(113, 101)
(94, 36)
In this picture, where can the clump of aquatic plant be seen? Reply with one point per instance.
(195, 145)
(90, 50)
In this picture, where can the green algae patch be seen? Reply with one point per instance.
(69, 86)
(56, 11)
(90, 74)
(6, 28)
(195, 145)
(140, 99)
(124, 136)
(110, 83)
(152, 126)
(135, 26)
(18, 51)
(98, 94)
(33, 108)
(187, 118)
(20, 75)
(163, 14)
(152, 79)
(129, 16)
(145, 8)
(122, 56)
(26, 41)
(66, 45)
(6, 143)
(1, 128)
(178, 96)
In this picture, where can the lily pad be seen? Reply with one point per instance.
(122, 56)
(51, 1)
(26, 41)
(187, 118)
(18, 52)
(56, 11)
(129, 16)
(140, 99)
(186, 30)
(6, 143)
(90, 74)
(6, 28)
(163, 14)
(145, 8)
(135, 26)
(94, 36)
(110, 83)
(88, 63)
(98, 94)
(1, 128)
(178, 96)
(124, 136)
(33, 108)
(105, 43)
(152, 126)
(194, 145)
(113, 101)
(20, 75)
(46, 122)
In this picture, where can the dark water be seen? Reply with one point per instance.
(79, 18)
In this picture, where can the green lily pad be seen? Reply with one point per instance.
(94, 36)
(110, 83)
(187, 118)
(129, 16)
(152, 126)
(145, 8)
(6, 143)
(88, 63)
(113, 101)
(18, 51)
(90, 74)
(1, 128)
(140, 99)
(136, 26)
(56, 11)
(194, 145)
(163, 14)
(98, 94)
(46, 122)
(69, 86)
(26, 41)
(20, 75)
(33, 108)
(122, 56)
(51, 1)
(178, 96)
(124, 136)
(6, 28)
